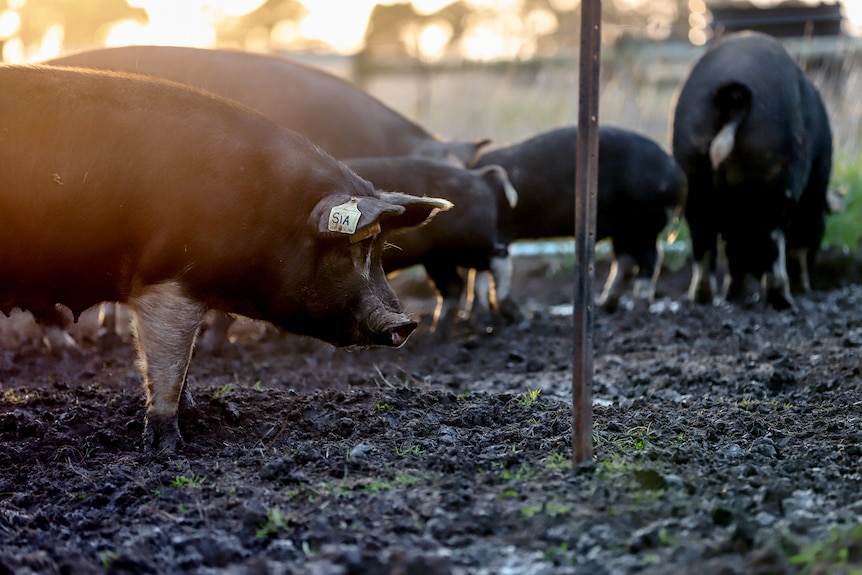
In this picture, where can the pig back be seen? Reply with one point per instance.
(542, 171)
(113, 181)
(772, 121)
(343, 119)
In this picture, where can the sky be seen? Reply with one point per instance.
(338, 23)
(341, 23)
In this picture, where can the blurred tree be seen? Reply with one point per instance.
(549, 27)
(261, 21)
(385, 32)
(82, 21)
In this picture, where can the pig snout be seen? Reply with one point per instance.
(399, 333)
(389, 328)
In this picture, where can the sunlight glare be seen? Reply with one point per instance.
(499, 5)
(13, 51)
(563, 5)
(853, 12)
(697, 36)
(51, 44)
(285, 33)
(219, 9)
(159, 31)
(337, 23)
(541, 22)
(186, 23)
(624, 5)
(433, 40)
(426, 7)
(492, 40)
(10, 23)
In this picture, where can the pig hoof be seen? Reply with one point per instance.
(109, 340)
(703, 296)
(211, 343)
(161, 436)
(485, 322)
(398, 334)
(779, 299)
(58, 342)
(610, 305)
(511, 311)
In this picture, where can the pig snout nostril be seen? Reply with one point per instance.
(398, 334)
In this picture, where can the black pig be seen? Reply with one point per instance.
(118, 188)
(640, 188)
(751, 133)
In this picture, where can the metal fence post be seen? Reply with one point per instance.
(586, 185)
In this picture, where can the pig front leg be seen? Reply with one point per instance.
(800, 280)
(703, 286)
(165, 324)
(502, 269)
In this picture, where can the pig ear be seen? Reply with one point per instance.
(416, 210)
(498, 179)
(466, 153)
(366, 214)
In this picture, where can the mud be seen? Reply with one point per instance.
(728, 439)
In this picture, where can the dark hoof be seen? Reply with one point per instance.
(780, 300)
(162, 436)
(704, 296)
(511, 311)
(109, 340)
(486, 321)
(610, 305)
(641, 305)
(212, 342)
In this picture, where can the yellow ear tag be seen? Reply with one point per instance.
(366, 232)
(345, 217)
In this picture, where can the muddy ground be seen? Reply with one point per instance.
(728, 440)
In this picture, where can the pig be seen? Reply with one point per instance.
(343, 119)
(464, 236)
(752, 134)
(335, 114)
(640, 190)
(176, 201)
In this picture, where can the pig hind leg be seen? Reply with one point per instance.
(777, 283)
(450, 286)
(215, 337)
(641, 264)
(701, 215)
(493, 289)
(622, 270)
(165, 325)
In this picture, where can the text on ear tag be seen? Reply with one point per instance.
(343, 218)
